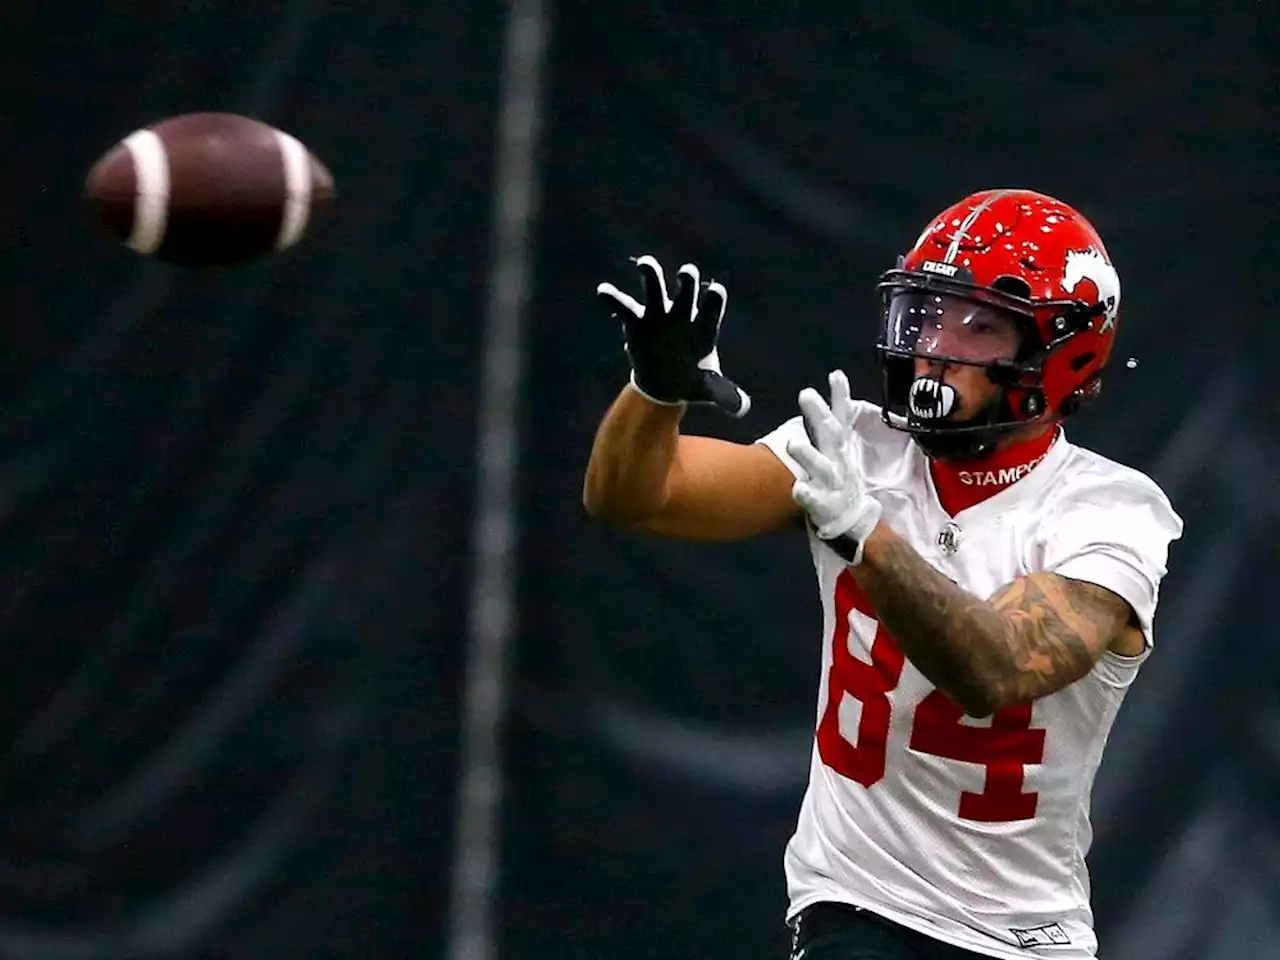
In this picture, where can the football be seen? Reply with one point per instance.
(208, 189)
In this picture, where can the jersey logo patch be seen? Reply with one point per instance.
(1049, 935)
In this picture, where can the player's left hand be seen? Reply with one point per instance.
(672, 342)
(833, 494)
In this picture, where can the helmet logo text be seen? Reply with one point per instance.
(933, 266)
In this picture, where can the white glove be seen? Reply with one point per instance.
(833, 494)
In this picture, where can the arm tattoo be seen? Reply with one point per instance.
(1056, 629)
(1035, 636)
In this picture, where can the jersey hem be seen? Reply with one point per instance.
(918, 925)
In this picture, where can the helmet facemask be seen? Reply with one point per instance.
(950, 323)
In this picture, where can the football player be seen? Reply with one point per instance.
(988, 587)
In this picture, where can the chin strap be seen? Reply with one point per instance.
(955, 446)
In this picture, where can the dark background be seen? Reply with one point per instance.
(236, 509)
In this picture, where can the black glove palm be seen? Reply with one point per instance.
(672, 343)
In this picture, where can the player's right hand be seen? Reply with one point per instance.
(833, 491)
(672, 342)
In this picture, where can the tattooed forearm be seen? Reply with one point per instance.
(952, 637)
(1055, 629)
(1036, 636)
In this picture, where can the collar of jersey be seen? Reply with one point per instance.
(1020, 489)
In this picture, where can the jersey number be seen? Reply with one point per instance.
(1003, 748)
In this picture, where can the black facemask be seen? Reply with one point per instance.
(925, 320)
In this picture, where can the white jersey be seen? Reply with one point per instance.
(971, 831)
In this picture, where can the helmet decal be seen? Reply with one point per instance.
(1092, 265)
(963, 228)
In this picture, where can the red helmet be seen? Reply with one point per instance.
(1021, 255)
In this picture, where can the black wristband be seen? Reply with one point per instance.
(845, 547)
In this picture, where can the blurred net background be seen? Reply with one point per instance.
(242, 516)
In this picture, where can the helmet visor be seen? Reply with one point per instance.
(949, 328)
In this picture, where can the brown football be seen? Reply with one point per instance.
(208, 189)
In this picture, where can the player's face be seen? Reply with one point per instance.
(954, 340)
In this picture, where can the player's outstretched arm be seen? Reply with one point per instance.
(1034, 637)
(644, 475)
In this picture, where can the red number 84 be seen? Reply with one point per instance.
(1003, 748)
